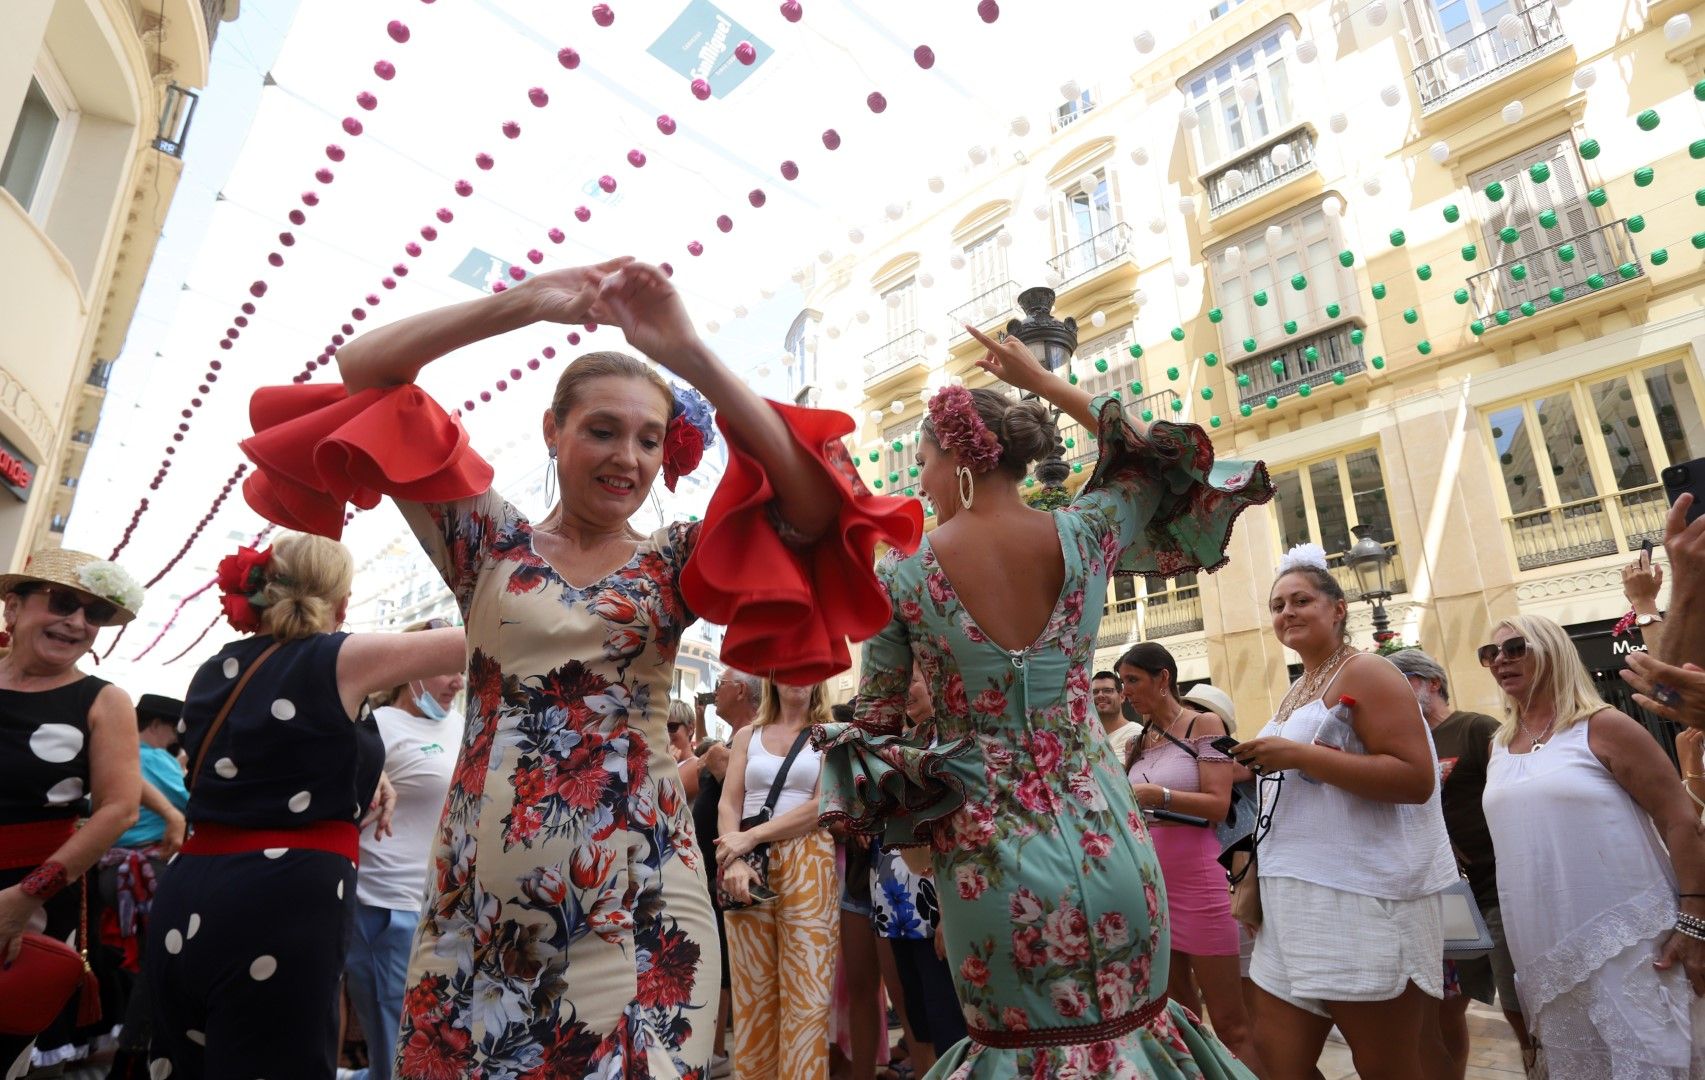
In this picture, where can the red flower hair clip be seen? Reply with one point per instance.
(242, 576)
(954, 421)
(688, 434)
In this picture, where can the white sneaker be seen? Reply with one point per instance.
(720, 1067)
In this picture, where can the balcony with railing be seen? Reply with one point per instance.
(1555, 274)
(984, 308)
(1334, 353)
(896, 358)
(1244, 179)
(1098, 253)
(1489, 56)
(1171, 613)
(1588, 528)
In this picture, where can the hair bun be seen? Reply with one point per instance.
(1027, 433)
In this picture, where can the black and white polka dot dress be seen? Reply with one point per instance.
(245, 950)
(44, 776)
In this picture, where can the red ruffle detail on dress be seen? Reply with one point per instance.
(316, 448)
(790, 608)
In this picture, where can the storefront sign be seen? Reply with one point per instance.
(17, 472)
(700, 43)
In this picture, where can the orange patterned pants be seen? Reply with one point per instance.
(781, 956)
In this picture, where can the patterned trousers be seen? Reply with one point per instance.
(781, 955)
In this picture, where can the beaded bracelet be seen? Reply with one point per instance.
(44, 882)
(1688, 931)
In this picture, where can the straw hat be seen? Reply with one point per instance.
(1215, 700)
(84, 572)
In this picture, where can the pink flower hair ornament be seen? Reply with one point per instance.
(956, 427)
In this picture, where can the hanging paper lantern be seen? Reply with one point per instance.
(1425, 348)
(1371, 185)
(1332, 311)
(1307, 51)
(1181, 277)
(1678, 27)
(876, 102)
(1188, 120)
(1140, 155)
(1290, 326)
(1439, 152)
(1260, 298)
(1211, 359)
(1648, 120)
(1519, 272)
(1215, 315)
(1278, 367)
(1248, 344)
(1157, 225)
(538, 97)
(1699, 240)
(1245, 409)
(1378, 363)
(1659, 256)
(1136, 387)
(1512, 112)
(1585, 78)
(1376, 12)
(1172, 374)
(1379, 290)
(1299, 282)
(1148, 416)
(1637, 223)
(1452, 214)
(1424, 272)
(1643, 176)
(1272, 401)
(1338, 122)
(1357, 336)
(1410, 315)
(1232, 257)
(1177, 333)
(1136, 352)
(367, 101)
(791, 11)
(1332, 206)
(1628, 271)
(1508, 234)
(1391, 94)
(1346, 258)
(1304, 390)
(1495, 191)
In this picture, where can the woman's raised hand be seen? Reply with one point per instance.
(640, 298)
(1010, 361)
(569, 295)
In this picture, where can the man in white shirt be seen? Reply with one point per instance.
(423, 736)
(1109, 707)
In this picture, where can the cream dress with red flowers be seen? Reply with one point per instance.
(566, 928)
(1052, 899)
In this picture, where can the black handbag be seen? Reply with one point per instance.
(759, 857)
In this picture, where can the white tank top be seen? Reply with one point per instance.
(761, 769)
(1325, 835)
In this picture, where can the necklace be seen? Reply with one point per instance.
(1311, 684)
(1536, 742)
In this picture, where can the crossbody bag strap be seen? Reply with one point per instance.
(781, 773)
(224, 711)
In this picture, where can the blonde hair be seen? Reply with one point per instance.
(306, 580)
(817, 712)
(681, 713)
(604, 365)
(1558, 674)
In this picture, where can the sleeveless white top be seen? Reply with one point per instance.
(1325, 835)
(1587, 892)
(761, 769)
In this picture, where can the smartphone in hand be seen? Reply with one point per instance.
(1689, 478)
(1224, 744)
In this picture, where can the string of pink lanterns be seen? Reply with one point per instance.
(569, 59)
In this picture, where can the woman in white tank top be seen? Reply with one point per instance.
(782, 949)
(1594, 838)
(1352, 852)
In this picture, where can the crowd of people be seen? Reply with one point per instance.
(1029, 866)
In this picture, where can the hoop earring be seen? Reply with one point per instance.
(967, 487)
(550, 480)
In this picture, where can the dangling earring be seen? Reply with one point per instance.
(967, 487)
(550, 479)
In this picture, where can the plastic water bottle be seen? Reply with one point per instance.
(1336, 732)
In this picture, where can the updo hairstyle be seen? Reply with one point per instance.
(604, 365)
(1025, 429)
(307, 579)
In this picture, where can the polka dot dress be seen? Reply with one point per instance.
(251, 945)
(44, 776)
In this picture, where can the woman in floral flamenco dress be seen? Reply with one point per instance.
(567, 931)
(1052, 899)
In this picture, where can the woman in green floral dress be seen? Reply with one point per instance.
(1051, 896)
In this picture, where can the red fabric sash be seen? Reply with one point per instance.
(337, 837)
(34, 842)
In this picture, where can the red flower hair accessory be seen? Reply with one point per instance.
(241, 578)
(688, 434)
(957, 427)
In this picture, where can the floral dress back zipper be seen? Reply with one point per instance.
(1051, 895)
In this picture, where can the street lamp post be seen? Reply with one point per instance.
(1052, 341)
(1369, 559)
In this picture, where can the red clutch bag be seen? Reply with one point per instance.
(38, 984)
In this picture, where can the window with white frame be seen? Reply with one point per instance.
(1253, 287)
(1085, 210)
(1242, 98)
(985, 262)
(898, 465)
(900, 309)
(41, 140)
(1075, 109)
(1114, 348)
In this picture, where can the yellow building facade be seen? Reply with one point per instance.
(96, 98)
(1425, 258)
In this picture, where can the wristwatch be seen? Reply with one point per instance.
(1648, 619)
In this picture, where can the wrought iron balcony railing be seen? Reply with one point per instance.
(1489, 56)
(1099, 251)
(1255, 173)
(984, 308)
(902, 352)
(1334, 353)
(1556, 273)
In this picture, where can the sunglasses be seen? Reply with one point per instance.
(65, 603)
(1513, 649)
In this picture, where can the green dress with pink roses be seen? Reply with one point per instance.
(1051, 895)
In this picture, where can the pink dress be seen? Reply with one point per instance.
(1197, 894)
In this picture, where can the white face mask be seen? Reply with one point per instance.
(428, 705)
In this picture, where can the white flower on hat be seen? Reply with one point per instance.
(111, 582)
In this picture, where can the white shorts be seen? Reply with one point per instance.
(1319, 944)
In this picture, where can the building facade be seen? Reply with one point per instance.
(96, 98)
(1431, 260)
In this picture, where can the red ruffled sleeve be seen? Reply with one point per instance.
(316, 448)
(790, 608)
